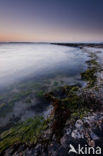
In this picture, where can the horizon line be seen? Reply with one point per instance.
(46, 42)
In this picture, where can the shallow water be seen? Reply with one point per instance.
(30, 69)
(18, 61)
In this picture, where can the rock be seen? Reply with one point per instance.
(91, 143)
(101, 118)
(53, 149)
(21, 154)
(44, 154)
(21, 148)
(94, 136)
(86, 122)
(76, 134)
(67, 131)
(65, 141)
(15, 154)
(9, 151)
(79, 124)
(47, 134)
(62, 151)
(90, 121)
(54, 137)
(38, 148)
(30, 152)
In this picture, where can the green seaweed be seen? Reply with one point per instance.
(40, 93)
(89, 75)
(27, 132)
(80, 113)
(93, 62)
(8, 107)
(71, 102)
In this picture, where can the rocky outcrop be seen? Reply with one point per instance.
(88, 131)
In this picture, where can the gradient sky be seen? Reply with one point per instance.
(51, 20)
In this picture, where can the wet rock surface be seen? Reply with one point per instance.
(87, 131)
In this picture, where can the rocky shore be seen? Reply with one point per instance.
(76, 117)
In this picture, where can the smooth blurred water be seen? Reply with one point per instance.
(36, 68)
(18, 61)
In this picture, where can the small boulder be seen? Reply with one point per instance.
(79, 124)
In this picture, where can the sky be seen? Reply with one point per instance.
(51, 20)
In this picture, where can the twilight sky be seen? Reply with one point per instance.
(51, 20)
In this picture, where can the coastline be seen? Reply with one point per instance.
(82, 126)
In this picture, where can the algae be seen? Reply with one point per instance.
(89, 75)
(27, 132)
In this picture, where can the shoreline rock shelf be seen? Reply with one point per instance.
(76, 118)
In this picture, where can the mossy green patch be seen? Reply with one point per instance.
(72, 101)
(27, 132)
(89, 75)
(80, 113)
(40, 93)
(93, 62)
